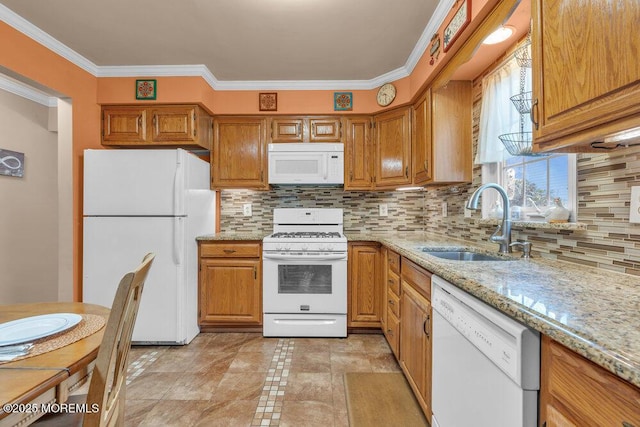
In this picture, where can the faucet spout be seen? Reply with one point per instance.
(502, 235)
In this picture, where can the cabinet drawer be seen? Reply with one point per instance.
(231, 250)
(394, 262)
(392, 332)
(393, 282)
(393, 303)
(417, 277)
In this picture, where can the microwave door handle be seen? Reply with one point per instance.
(325, 165)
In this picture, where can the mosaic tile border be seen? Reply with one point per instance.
(269, 408)
(138, 366)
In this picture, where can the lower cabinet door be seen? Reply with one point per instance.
(230, 291)
(415, 344)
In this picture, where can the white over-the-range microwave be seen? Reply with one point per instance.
(306, 163)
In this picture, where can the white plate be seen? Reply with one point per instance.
(35, 327)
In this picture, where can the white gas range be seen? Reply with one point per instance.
(305, 274)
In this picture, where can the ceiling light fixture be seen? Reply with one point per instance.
(499, 35)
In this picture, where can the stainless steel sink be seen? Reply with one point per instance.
(462, 255)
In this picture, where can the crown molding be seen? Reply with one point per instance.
(26, 91)
(30, 30)
(439, 14)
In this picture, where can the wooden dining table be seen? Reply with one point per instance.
(49, 377)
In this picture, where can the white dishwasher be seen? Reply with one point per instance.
(486, 366)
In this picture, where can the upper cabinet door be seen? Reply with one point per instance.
(393, 148)
(325, 129)
(124, 124)
(287, 129)
(173, 124)
(422, 140)
(239, 155)
(358, 154)
(586, 71)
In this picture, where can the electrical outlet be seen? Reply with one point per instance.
(246, 209)
(445, 209)
(383, 210)
(634, 210)
(467, 213)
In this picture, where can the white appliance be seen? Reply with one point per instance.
(486, 366)
(306, 163)
(140, 201)
(305, 274)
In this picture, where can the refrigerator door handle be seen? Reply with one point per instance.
(178, 187)
(178, 240)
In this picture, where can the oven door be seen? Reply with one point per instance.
(305, 283)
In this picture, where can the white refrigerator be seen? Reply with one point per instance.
(141, 201)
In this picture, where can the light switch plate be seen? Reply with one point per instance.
(246, 209)
(445, 209)
(634, 210)
(383, 210)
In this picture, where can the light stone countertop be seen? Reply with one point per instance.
(594, 312)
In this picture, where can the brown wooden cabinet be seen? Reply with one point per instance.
(364, 287)
(391, 306)
(230, 291)
(586, 74)
(306, 129)
(393, 148)
(239, 154)
(359, 154)
(441, 135)
(576, 392)
(415, 331)
(186, 126)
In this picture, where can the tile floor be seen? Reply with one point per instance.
(244, 379)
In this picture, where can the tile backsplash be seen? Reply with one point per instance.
(405, 209)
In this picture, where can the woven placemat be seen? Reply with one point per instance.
(90, 324)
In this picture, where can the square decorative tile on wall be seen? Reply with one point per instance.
(146, 89)
(343, 101)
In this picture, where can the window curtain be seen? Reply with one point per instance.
(498, 114)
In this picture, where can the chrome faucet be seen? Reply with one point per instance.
(504, 238)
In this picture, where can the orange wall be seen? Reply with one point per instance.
(25, 57)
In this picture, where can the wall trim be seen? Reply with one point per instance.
(17, 88)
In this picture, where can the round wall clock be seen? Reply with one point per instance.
(386, 94)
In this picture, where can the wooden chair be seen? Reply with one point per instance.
(107, 387)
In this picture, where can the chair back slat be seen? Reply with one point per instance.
(109, 374)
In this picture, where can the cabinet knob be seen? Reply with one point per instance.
(391, 281)
(390, 332)
(626, 424)
(426, 166)
(229, 251)
(406, 171)
(391, 302)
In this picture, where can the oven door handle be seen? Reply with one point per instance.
(305, 257)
